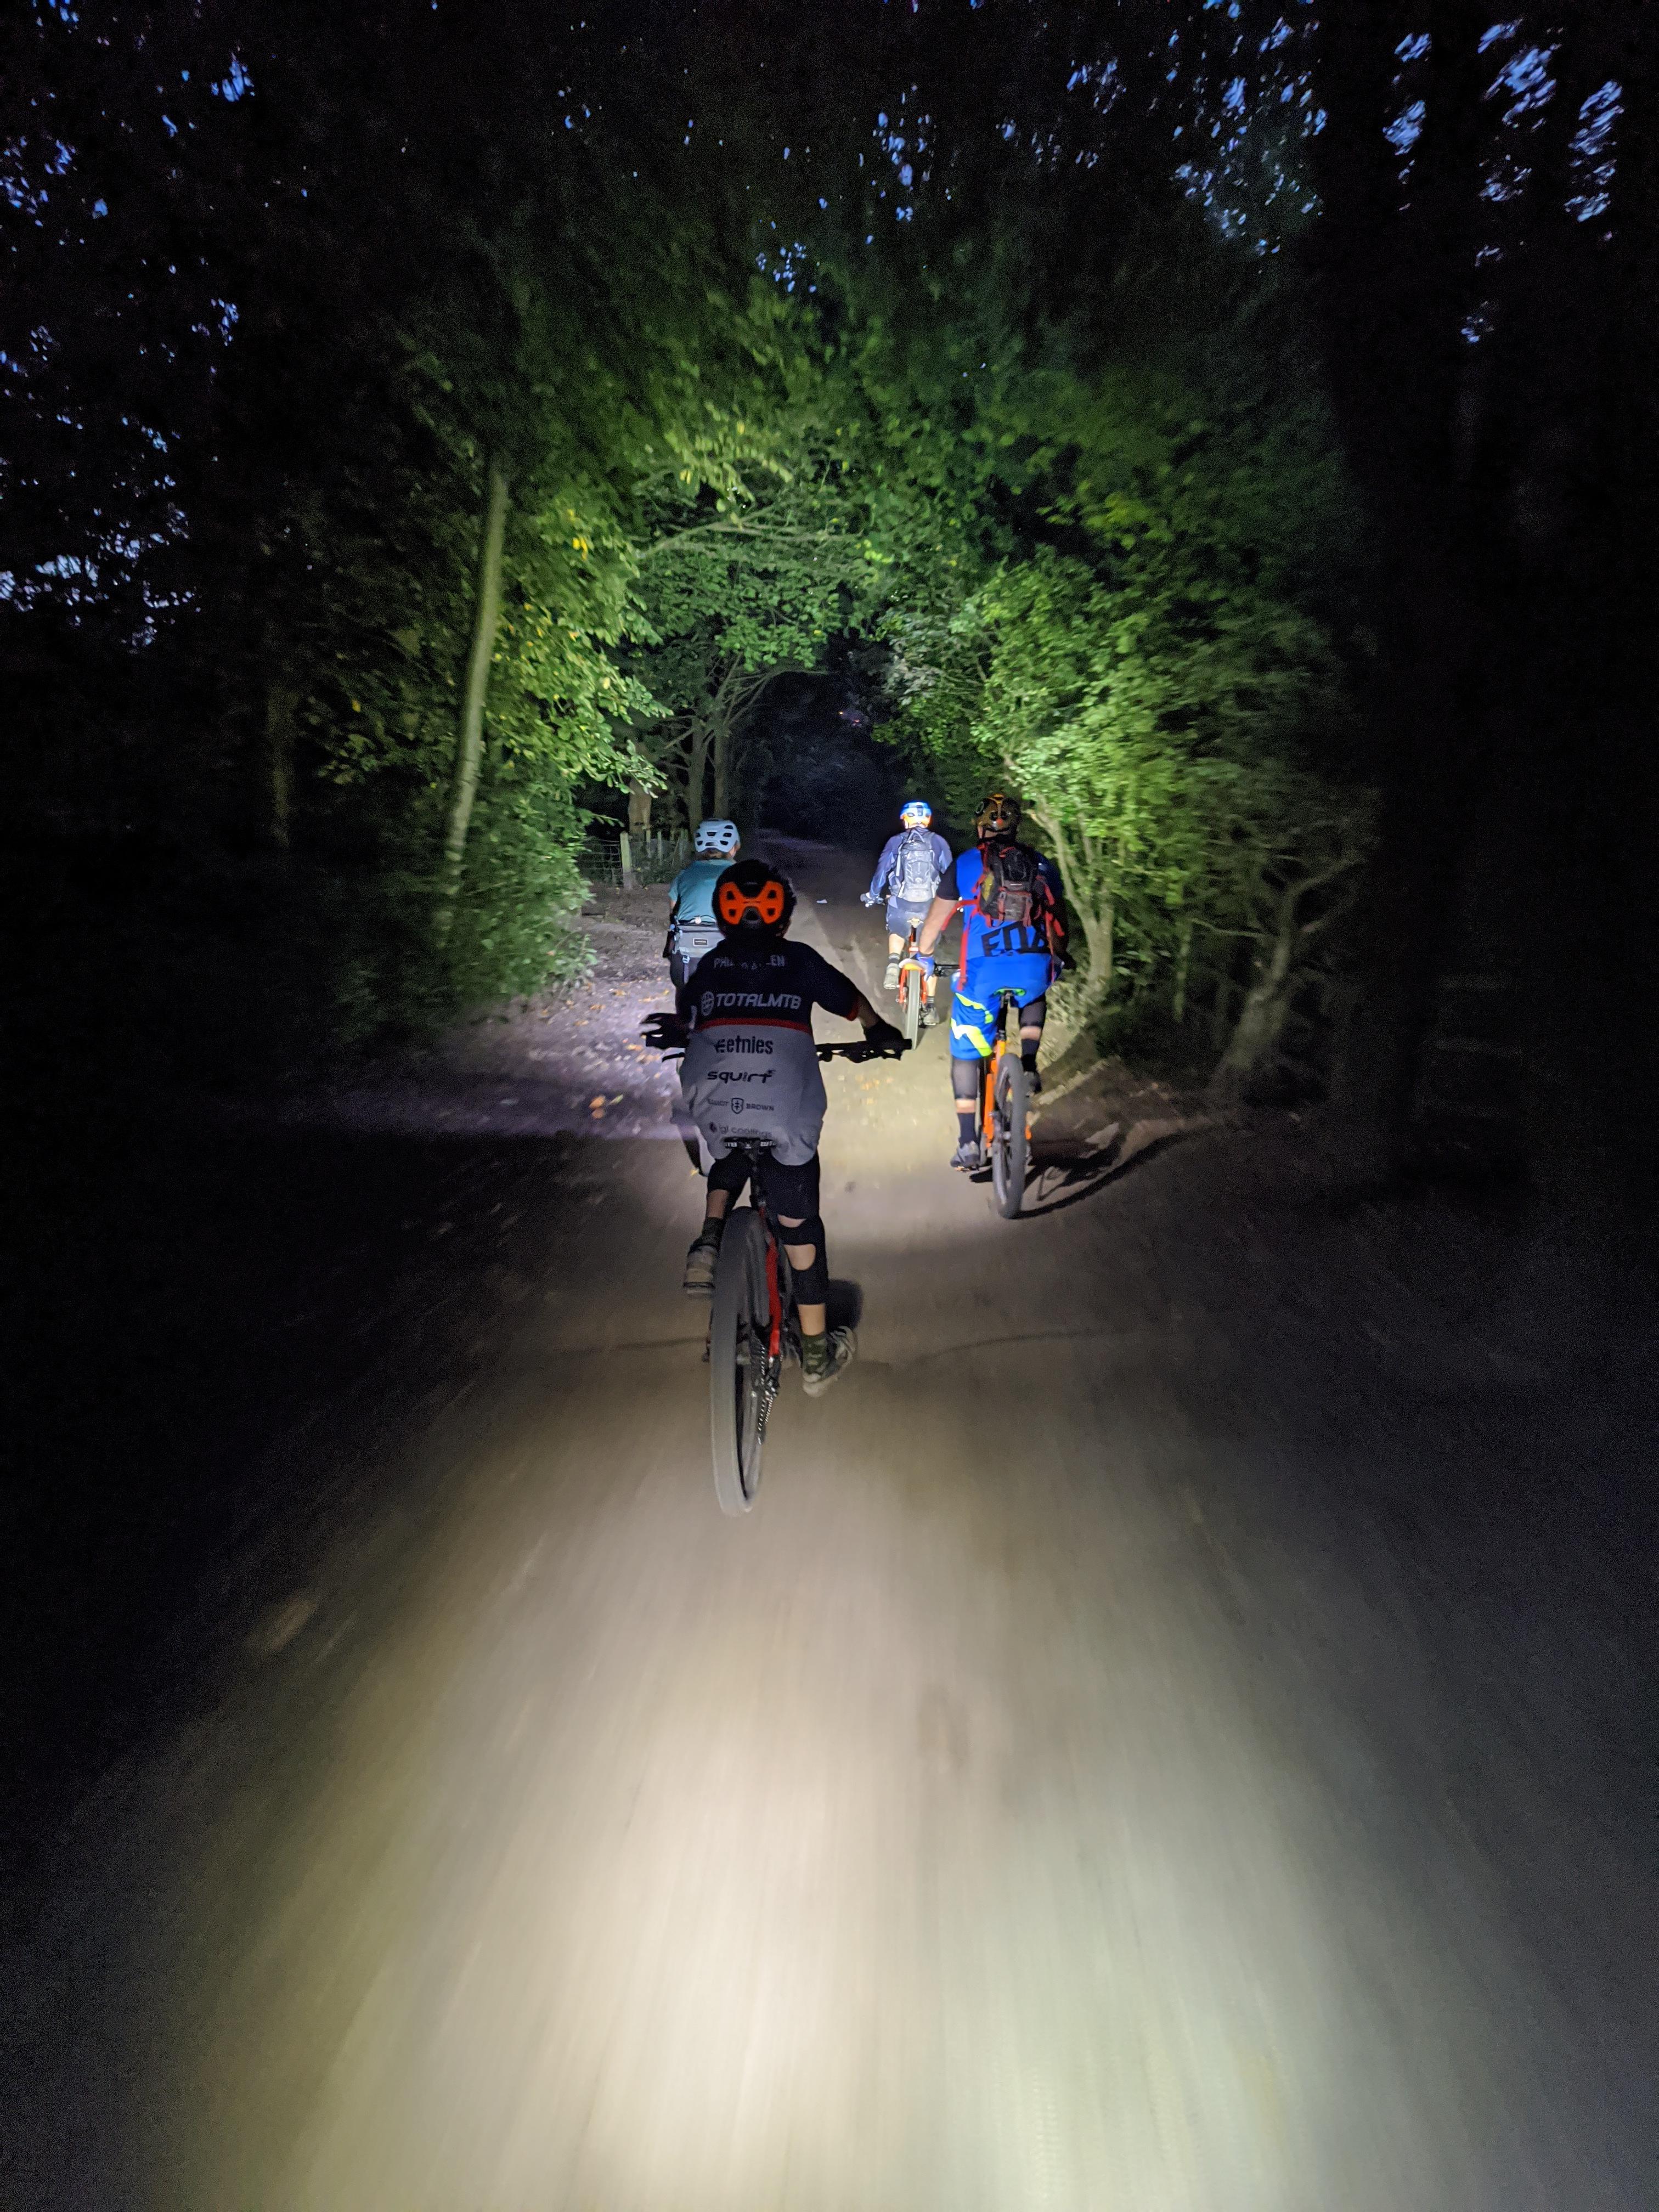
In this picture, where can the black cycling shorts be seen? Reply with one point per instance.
(791, 1193)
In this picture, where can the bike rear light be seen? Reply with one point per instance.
(735, 905)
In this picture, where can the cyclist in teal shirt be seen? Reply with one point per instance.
(692, 928)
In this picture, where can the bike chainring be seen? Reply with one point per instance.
(768, 1392)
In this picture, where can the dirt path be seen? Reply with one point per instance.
(1128, 1758)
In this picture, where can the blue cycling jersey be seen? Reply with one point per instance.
(996, 958)
(932, 853)
(989, 941)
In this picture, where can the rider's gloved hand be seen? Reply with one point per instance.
(926, 961)
(869, 898)
(662, 1032)
(882, 1036)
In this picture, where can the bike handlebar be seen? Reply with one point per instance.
(858, 1048)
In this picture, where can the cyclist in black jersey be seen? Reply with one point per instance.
(750, 1075)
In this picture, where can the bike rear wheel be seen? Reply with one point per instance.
(1009, 1106)
(743, 1377)
(911, 1003)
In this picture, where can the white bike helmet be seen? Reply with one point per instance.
(716, 837)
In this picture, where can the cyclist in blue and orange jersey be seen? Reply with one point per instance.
(692, 929)
(1012, 935)
(914, 863)
(750, 1076)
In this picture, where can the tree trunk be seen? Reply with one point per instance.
(281, 699)
(468, 743)
(735, 699)
(723, 736)
(639, 810)
(1393, 273)
(1099, 920)
(1183, 962)
(1261, 1017)
(1220, 1013)
(696, 773)
(1090, 898)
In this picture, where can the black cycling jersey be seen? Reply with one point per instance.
(774, 982)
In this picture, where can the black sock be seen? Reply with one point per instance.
(1027, 1058)
(966, 1117)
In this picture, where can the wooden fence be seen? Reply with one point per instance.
(630, 861)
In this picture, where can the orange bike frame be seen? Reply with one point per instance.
(988, 1111)
(908, 959)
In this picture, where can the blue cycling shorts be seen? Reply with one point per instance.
(974, 1005)
(901, 913)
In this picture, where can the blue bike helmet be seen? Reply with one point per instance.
(915, 814)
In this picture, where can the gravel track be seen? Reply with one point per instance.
(1164, 1739)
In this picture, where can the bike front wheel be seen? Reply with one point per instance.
(1009, 1143)
(911, 1003)
(743, 1376)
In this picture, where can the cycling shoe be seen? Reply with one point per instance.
(823, 1357)
(701, 1261)
(968, 1158)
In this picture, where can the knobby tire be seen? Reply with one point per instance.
(1008, 1139)
(910, 1004)
(738, 1364)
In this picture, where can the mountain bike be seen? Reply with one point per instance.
(912, 989)
(752, 1327)
(752, 1331)
(914, 1003)
(1005, 1107)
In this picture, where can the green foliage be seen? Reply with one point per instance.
(1157, 667)
(1046, 439)
(748, 570)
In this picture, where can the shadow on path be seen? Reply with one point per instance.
(1068, 1176)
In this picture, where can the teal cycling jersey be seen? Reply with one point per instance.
(691, 894)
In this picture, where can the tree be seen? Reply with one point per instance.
(1160, 667)
(1485, 209)
(746, 578)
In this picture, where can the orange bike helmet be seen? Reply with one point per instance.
(751, 895)
(998, 815)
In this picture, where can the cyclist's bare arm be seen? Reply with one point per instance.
(937, 922)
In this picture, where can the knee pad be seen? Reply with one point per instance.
(730, 1174)
(811, 1283)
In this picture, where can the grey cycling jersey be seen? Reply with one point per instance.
(751, 1073)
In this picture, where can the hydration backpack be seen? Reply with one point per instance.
(916, 868)
(1013, 892)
